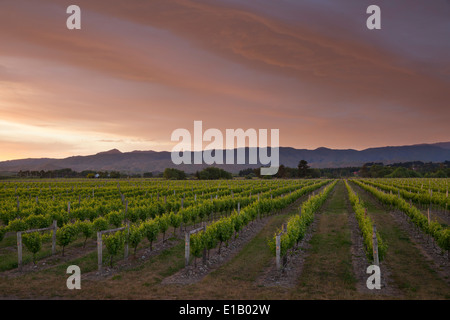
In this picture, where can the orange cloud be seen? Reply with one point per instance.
(140, 69)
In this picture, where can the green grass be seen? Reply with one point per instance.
(328, 272)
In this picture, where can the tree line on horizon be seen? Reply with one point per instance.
(414, 169)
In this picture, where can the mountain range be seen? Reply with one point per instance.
(153, 161)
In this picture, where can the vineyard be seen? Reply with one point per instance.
(270, 238)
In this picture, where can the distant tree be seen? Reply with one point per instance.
(402, 172)
(290, 173)
(364, 172)
(114, 174)
(246, 172)
(314, 173)
(379, 171)
(148, 175)
(303, 168)
(103, 174)
(281, 172)
(437, 174)
(85, 173)
(212, 173)
(174, 174)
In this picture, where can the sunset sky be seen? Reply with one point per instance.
(137, 70)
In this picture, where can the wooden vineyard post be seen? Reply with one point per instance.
(55, 226)
(285, 256)
(278, 249)
(126, 242)
(375, 247)
(99, 250)
(100, 245)
(19, 250)
(187, 245)
(19, 241)
(126, 209)
(187, 248)
(204, 249)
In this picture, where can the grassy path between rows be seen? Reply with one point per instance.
(328, 271)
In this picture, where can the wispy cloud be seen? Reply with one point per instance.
(138, 70)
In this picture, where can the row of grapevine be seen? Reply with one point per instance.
(139, 205)
(366, 226)
(222, 230)
(297, 225)
(426, 197)
(142, 227)
(438, 232)
(115, 211)
(439, 185)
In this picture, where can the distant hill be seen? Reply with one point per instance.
(444, 145)
(152, 161)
